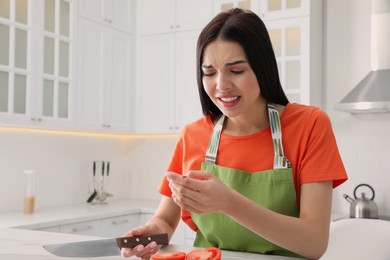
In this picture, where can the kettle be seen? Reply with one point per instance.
(362, 207)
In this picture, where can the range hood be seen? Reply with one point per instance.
(372, 94)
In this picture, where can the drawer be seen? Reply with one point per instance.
(90, 228)
(117, 226)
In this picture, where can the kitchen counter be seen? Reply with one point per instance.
(47, 217)
(19, 244)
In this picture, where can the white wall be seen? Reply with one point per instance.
(363, 142)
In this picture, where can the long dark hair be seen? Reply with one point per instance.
(247, 29)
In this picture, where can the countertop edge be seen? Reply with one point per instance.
(68, 214)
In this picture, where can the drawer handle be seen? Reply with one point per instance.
(120, 222)
(81, 229)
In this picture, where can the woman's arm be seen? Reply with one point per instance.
(306, 235)
(165, 220)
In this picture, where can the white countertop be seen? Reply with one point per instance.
(19, 244)
(47, 217)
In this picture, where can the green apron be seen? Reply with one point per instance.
(274, 189)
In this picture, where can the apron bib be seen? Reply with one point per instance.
(273, 189)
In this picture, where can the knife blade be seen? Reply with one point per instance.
(103, 247)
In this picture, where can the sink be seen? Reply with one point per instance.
(358, 239)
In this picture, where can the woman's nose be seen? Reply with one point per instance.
(223, 83)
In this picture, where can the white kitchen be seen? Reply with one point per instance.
(88, 82)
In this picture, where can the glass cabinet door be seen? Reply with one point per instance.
(290, 44)
(224, 5)
(56, 59)
(35, 50)
(15, 69)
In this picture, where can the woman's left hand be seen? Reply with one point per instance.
(198, 192)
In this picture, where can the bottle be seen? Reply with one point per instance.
(29, 199)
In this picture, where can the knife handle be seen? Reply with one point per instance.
(130, 242)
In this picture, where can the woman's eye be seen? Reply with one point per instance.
(208, 74)
(237, 72)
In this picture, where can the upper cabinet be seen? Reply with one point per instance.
(166, 16)
(282, 9)
(118, 14)
(167, 92)
(104, 78)
(105, 66)
(36, 72)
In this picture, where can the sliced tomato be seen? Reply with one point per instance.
(169, 256)
(211, 253)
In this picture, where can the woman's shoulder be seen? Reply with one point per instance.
(295, 111)
(202, 124)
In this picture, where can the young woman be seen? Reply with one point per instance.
(255, 167)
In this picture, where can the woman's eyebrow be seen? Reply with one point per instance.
(234, 63)
(205, 66)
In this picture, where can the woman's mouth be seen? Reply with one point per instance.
(229, 101)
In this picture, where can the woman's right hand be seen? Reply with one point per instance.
(143, 252)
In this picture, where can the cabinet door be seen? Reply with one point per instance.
(118, 106)
(114, 13)
(225, 5)
(91, 9)
(15, 62)
(187, 101)
(157, 16)
(156, 84)
(90, 228)
(191, 15)
(90, 77)
(282, 9)
(36, 45)
(121, 15)
(117, 226)
(292, 50)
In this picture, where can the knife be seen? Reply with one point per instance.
(103, 247)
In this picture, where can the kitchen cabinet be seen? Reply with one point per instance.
(114, 13)
(167, 92)
(297, 42)
(105, 76)
(225, 5)
(167, 16)
(36, 76)
(295, 28)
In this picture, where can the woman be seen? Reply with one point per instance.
(232, 175)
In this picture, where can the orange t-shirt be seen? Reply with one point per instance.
(308, 142)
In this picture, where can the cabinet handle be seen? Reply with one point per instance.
(172, 26)
(39, 119)
(120, 222)
(81, 229)
(177, 26)
(33, 119)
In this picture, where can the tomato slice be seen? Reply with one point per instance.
(211, 253)
(169, 256)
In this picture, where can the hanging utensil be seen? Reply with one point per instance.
(94, 193)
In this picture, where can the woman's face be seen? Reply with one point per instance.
(229, 80)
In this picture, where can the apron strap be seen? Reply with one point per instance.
(212, 148)
(280, 161)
